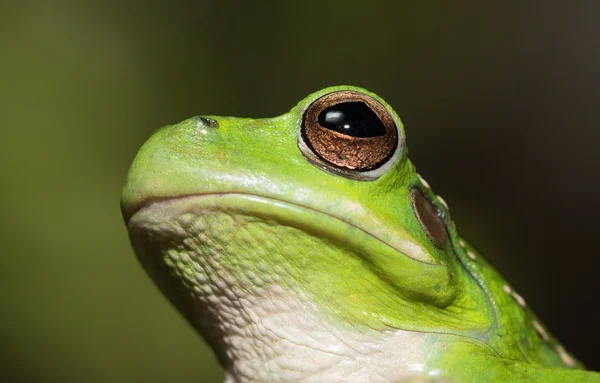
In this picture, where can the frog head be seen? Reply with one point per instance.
(307, 245)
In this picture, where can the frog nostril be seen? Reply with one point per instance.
(208, 122)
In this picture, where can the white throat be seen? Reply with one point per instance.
(277, 338)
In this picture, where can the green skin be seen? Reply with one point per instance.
(254, 169)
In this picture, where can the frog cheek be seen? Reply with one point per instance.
(350, 134)
(429, 217)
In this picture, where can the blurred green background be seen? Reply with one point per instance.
(499, 99)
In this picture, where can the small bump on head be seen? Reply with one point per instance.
(540, 330)
(565, 357)
(515, 296)
(471, 255)
(519, 300)
(425, 183)
(443, 202)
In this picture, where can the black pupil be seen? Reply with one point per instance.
(352, 119)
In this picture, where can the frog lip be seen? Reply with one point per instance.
(277, 209)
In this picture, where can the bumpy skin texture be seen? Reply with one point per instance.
(292, 273)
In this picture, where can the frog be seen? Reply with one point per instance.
(307, 248)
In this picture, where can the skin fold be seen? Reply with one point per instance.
(306, 248)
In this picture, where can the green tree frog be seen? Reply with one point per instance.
(306, 248)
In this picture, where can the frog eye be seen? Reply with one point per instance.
(351, 134)
(429, 217)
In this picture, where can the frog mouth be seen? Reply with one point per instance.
(222, 219)
(157, 211)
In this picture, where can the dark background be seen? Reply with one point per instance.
(499, 99)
